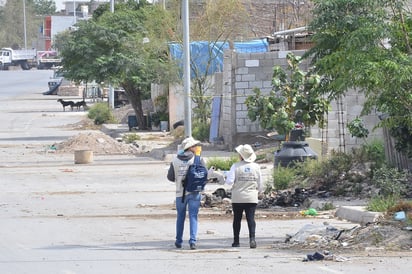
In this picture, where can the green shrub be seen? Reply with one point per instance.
(100, 113)
(371, 152)
(200, 131)
(327, 172)
(130, 138)
(328, 206)
(375, 151)
(222, 163)
(382, 203)
(390, 181)
(309, 168)
(357, 128)
(159, 116)
(283, 177)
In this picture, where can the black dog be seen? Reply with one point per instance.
(66, 103)
(80, 104)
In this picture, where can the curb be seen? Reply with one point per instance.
(357, 214)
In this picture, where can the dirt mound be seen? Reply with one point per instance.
(97, 142)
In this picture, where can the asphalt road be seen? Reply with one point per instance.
(116, 214)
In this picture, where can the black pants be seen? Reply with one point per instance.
(238, 209)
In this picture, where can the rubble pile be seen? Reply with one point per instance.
(377, 236)
(97, 142)
(286, 198)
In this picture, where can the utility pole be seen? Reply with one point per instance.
(24, 24)
(186, 68)
(74, 12)
(111, 89)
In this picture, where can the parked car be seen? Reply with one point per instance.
(54, 82)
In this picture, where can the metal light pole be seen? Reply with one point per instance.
(24, 23)
(111, 89)
(74, 12)
(186, 68)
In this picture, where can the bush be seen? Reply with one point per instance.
(382, 203)
(222, 163)
(330, 171)
(282, 178)
(309, 168)
(100, 113)
(375, 152)
(390, 181)
(159, 116)
(130, 138)
(372, 152)
(200, 131)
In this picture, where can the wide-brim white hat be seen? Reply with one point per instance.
(189, 142)
(247, 153)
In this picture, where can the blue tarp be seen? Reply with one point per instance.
(208, 56)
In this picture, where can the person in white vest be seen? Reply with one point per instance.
(177, 171)
(246, 179)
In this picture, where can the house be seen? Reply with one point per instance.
(65, 20)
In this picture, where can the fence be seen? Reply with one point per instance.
(394, 157)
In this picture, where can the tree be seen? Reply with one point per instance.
(112, 47)
(217, 23)
(12, 24)
(365, 45)
(44, 7)
(295, 100)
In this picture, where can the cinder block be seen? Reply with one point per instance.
(357, 214)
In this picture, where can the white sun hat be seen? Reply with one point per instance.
(247, 153)
(189, 142)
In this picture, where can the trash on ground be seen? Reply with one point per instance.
(309, 212)
(325, 255)
(400, 216)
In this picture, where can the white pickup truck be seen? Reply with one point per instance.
(19, 57)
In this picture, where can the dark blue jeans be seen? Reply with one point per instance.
(249, 209)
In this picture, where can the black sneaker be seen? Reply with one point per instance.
(235, 245)
(193, 246)
(252, 244)
(178, 245)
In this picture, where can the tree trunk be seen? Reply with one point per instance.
(134, 95)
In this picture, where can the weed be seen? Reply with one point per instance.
(373, 152)
(382, 203)
(309, 168)
(390, 181)
(328, 206)
(130, 138)
(283, 177)
(200, 131)
(222, 163)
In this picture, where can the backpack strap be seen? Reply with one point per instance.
(184, 182)
(184, 193)
(197, 160)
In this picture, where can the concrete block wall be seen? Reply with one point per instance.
(70, 90)
(242, 72)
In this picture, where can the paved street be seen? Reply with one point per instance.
(116, 214)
